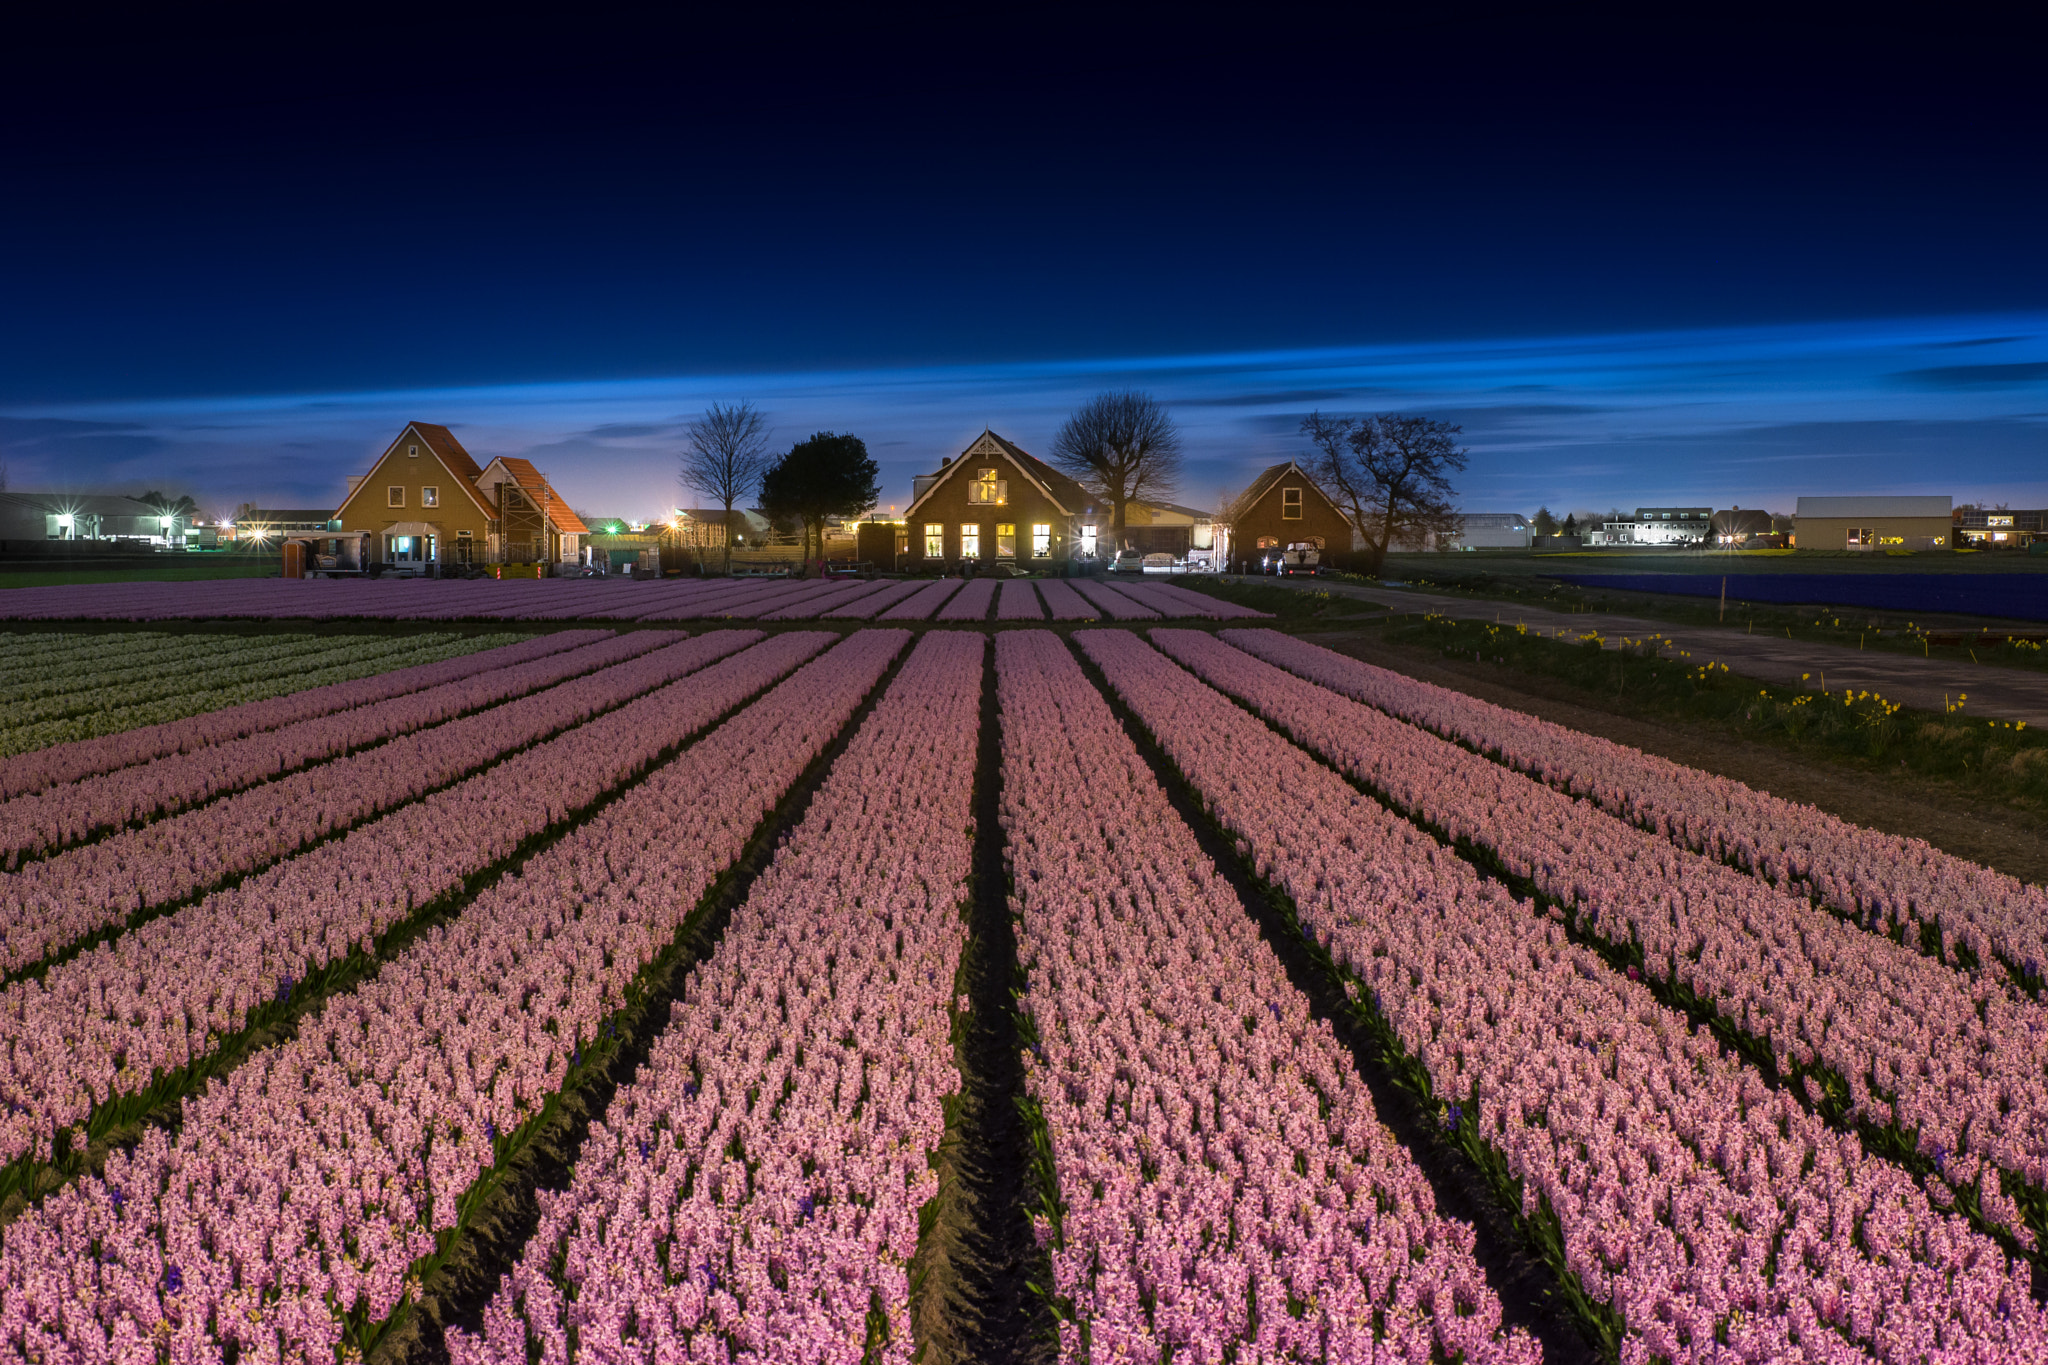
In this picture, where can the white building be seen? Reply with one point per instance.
(1670, 526)
(1490, 531)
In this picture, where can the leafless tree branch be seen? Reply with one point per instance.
(726, 454)
(1123, 447)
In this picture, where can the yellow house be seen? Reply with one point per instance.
(425, 502)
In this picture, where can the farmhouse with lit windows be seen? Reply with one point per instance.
(995, 503)
(425, 502)
(1283, 507)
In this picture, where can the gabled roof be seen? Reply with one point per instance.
(1066, 495)
(1195, 512)
(442, 445)
(1272, 474)
(558, 512)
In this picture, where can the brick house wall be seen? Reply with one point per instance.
(1286, 507)
(962, 518)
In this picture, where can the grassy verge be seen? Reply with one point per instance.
(1896, 632)
(2000, 761)
(1287, 602)
(169, 568)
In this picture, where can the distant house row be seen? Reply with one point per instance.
(425, 503)
(1870, 522)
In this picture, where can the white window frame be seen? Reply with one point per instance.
(430, 495)
(970, 540)
(1011, 539)
(1041, 540)
(934, 540)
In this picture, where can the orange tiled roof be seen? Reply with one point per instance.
(559, 512)
(443, 443)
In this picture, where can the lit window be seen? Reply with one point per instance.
(1290, 504)
(1041, 541)
(970, 540)
(1006, 540)
(394, 496)
(430, 496)
(988, 490)
(934, 540)
(1269, 542)
(1087, 540)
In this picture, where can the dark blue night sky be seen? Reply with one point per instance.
(1728, 267)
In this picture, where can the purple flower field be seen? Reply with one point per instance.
(853, 991)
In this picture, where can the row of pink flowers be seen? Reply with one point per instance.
(301, 1190)
(159, 996)
(39, 821)
(1171, 599)
(1017, 600)
(43, 768)
(1226, 1190)
(1065, 604)
(874, 604)
(759, 1182)
(1108, 601)
(1714, 1214)
(1959, 1063)
(49, 904)
(588, 599)
(971, 603)
(1879, 879)
(920, 605)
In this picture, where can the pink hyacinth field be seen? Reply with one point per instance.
(877, 970)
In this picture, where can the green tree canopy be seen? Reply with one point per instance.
(826, 475)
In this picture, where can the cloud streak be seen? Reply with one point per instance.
(1754, 416)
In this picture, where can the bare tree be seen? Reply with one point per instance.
(725, 458)
(1389, 475)
(1123, 448)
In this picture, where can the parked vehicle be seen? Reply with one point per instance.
(1128, 561)
(1300, 560)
